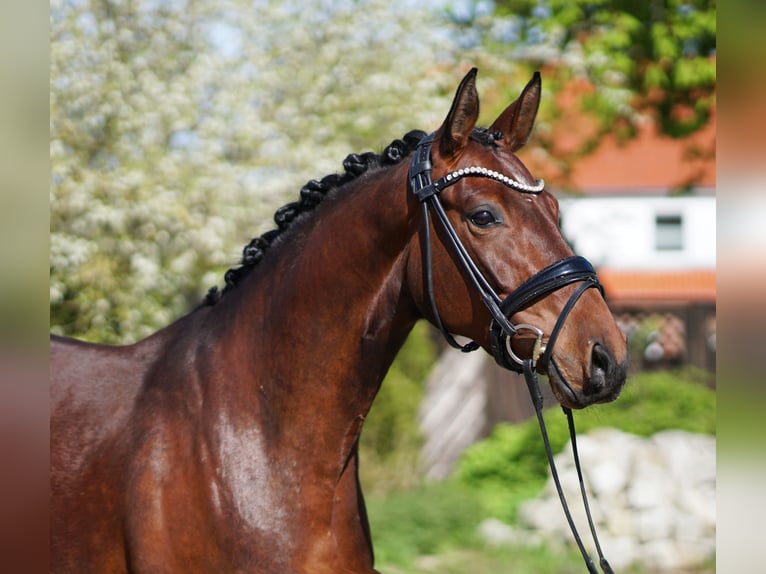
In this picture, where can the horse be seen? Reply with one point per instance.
(228, 440)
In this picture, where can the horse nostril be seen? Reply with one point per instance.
(602, 364)
(602, 358)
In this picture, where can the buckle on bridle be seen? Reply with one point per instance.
(419, 172)
(537, 350)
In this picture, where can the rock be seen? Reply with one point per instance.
(699, 502)
(652, 500)
(496, 533)
(693, 552)
(655, 523)
(620, 551)
(650, 484)
(618, 520)
(607, 478)
(544, 515)
(661, 555)
(689, 458)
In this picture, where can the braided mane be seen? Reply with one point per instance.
(315, 191)
(311, 195)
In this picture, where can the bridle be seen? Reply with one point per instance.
(552, 278)
(574, 269)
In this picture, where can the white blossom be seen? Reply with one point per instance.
(172, 144)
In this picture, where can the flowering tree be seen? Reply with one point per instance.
(178, 126)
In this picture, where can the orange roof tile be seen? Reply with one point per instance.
(649, 161)
(633, 286)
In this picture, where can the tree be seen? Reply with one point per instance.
(177, 127)
(653, 57)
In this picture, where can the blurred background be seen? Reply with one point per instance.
(176, 128)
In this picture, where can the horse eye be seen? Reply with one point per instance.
(483, 218)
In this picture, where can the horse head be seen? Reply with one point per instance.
(493, 264)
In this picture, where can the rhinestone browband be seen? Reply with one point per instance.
(453, 176)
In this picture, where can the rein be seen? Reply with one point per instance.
(555, 276)
(537, 400)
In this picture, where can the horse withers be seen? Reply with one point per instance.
(228, 441)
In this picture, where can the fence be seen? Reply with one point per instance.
(468, 394)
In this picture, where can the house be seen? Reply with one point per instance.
(643, 212)
(654, 248)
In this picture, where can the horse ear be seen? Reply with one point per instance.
(461, 119)
(516, 122)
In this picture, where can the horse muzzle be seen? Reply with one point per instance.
(603, 383)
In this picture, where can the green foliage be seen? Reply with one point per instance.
(391, 441)
(656, 401)
(480, 559)
(422, 521)
(509, 467)
(644, 58)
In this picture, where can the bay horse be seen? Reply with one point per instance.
(228, 441)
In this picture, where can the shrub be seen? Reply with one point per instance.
(426, 520)
(510, 466)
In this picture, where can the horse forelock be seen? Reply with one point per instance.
(485, 137)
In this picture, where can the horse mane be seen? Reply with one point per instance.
(314, 191)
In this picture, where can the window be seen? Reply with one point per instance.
(668, 234)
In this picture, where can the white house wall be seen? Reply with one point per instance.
(620, 232)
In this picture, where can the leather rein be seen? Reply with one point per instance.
(574, 269)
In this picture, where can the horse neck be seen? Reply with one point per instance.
(320, 323)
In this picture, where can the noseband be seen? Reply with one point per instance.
(564, 272)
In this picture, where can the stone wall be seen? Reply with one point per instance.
(652, 499)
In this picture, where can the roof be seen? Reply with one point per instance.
(636, 287)
(649, 163)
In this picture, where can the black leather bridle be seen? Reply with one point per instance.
(552, 278)
(574, 269)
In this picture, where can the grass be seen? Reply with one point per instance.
(518, 560)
